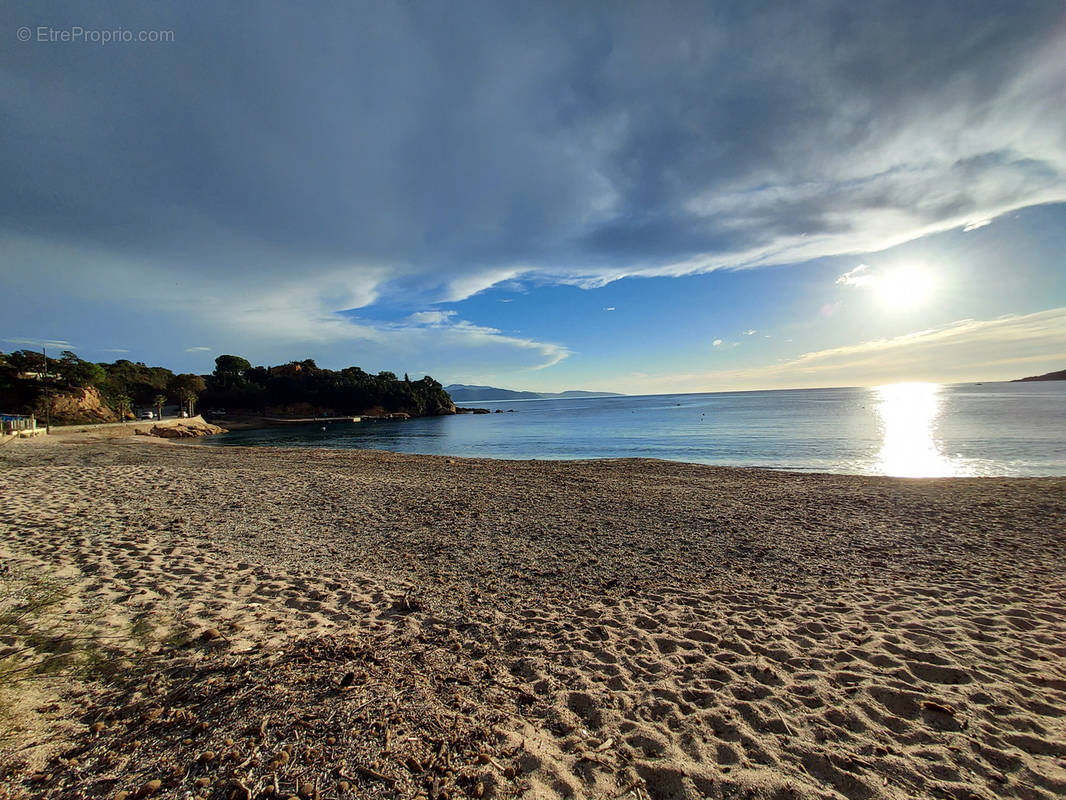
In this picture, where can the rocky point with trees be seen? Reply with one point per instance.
(72, 390)
(302, 387)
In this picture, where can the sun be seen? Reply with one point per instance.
(906, 287)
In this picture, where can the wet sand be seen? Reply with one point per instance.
(625, 627)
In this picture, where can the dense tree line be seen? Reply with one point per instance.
(29, 383)
(236, 384)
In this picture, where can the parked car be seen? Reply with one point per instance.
(147, 415)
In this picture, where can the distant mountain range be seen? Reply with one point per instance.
(464, 393)
(1050, 376)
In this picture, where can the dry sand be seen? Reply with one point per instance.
(589, 629)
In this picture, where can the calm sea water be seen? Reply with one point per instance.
(916, 430)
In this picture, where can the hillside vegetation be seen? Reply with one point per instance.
(71, 390)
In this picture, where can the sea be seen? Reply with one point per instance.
(906, 430)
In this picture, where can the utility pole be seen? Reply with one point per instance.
(47, 394)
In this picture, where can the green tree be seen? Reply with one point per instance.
(78, 374)
(122, 405)
(257, 375)
(159, 402)
(229, 371)
(188, 388)
(25, 361)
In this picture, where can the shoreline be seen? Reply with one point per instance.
(77, 433)
(206, 441)
(609, 628)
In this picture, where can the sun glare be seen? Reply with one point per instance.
(910, 448)
(905, 287)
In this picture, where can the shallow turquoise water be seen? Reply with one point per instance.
(914, 430)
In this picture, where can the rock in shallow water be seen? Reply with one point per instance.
(184, 430)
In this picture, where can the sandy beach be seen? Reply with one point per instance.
(319, 623)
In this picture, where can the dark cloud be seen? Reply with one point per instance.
(433, 149)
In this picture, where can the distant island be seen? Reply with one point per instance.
(1048, 376)
(466, 393)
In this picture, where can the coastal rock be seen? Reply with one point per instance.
(186, 430)
(81, 406)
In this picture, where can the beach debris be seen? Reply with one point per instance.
(593, 758)
(781, 716)
(942, 715)
(372, 773)
(280, 760)
(633, 786)
(422, 720)
(938, 708)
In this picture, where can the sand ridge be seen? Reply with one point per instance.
(665, 630)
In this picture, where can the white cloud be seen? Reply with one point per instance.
(750, 332)
(464, 286)
(966, 350)
(716, 343)
(609, 308)
(270, 321)
(798, 156)
(436, 337)
(431, 317)
(975, 225)
(198, 349)
(53, 343)
(465, 335)
(960, 350)
(857, 277)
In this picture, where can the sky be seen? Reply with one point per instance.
(637, 197)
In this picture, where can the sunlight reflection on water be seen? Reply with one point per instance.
(903, 430)
(908, 415)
